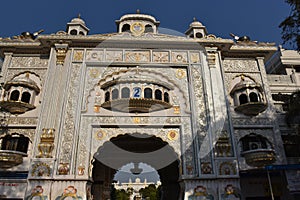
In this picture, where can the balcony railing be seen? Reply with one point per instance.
(10, 158)
(259, 157)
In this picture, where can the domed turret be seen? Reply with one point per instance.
(248, 96)
(19, 94)
(77, 27)
(137, 24)
(196, 30)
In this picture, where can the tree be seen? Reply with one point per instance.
(121, 195)
(291, 25)
(150, 192)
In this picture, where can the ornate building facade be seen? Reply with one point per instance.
(198, 108)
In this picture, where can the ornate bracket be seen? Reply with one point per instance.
(211, 56)
(61, 52)
(46, 144)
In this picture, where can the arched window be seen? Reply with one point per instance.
(158, 94)
(148, 29)
(73, 32)
(115, 94)
(253, 97)
(199, 35)
(125, 92)
(81, 33)
(15, 143)
(14, 96)
(148, 93)
(243, 99)
(253, 142)
(166, 97)
(26, 97)
(126, 28)
(107, 96)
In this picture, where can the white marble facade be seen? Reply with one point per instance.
(80, 116)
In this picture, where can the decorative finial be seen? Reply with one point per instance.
(242, 77)
(138, 11)
(27, 75)
(195, 19)
(79, 16)
(137, 70)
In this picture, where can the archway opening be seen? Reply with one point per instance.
(135, 148)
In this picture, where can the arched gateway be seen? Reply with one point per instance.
(136, 148)
(93, 103)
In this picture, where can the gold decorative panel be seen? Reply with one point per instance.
(137, 56)
(78, 56)
(179, 57)
(161, 56)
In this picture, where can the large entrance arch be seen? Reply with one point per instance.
(135, 148)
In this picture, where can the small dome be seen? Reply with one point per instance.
(196, 23)
(136, 79)
(77, 20)
(245, 84)
(22, 81)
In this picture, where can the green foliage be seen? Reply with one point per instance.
(119, 194)
(150, 192)
(291, 25)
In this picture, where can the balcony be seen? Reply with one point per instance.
(251, 108)
(16, 107)
(136, 105)
(10, 159)
(259, 157)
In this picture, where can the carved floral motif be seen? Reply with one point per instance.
(41, 169)
(240, 65)
(78, 56)
(28, 62)
(161, 56)
(70, 115)
(94, 55)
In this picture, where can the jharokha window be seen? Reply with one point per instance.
(15, 142)
(253, 142)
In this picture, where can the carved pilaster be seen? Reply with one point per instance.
(5, 65)
(61, 52)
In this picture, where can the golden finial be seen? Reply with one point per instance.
(242, 77)
(137, 70)
(27, 75)
(138, 11)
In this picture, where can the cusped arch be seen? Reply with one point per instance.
(115, 151)
(183, 101)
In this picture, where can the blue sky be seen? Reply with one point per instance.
(258, 19)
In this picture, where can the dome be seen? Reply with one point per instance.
(138, 17)
(77, 20)
(136, 79)
(24, 81)
(245, 84)
(196, 24)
